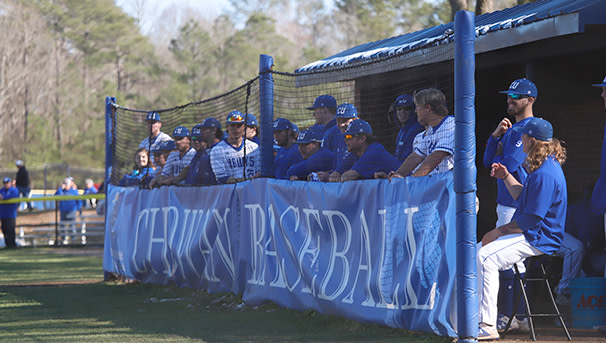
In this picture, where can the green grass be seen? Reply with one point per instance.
(44, 298)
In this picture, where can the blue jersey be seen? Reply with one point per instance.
(406, 137)
(344, 159)
(67, 206)
(375, 159)
(586, 225)
(138, 177)
(322, 160)
(200, 171)
(512, 157)
(284, 159)
(541, 211)
(9, 210)
(332, 136)
(598, 197)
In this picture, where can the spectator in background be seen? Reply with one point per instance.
(143, 170)
(325, 107)
(23, 182)
(235, 159)
(155, 135)
(288, 154)
(252, 128)
(90, 188)
(315, 157)
(8, 212)
(405, 117)
(372, 156)
(68, 209)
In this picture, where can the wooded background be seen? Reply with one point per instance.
(59, 59)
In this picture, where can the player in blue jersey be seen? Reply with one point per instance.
(252, 128)
(315, 157)
(344, 160)
(235, 159)
(537, 226)
(405, 117)
(288, 154)
(598, 198)
(155, 135)
(8, 212)
(324, 108)
(199, 171)
(372, 156)
(174, 170)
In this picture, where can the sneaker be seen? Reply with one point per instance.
(563, 300)
(487, 332)
(502, 323)
(522, 325)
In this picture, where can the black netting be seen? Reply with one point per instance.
(371, 87)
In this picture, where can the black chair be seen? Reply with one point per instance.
(541, 277)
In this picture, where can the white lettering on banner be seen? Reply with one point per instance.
(364, 265)
(258, 244)
(295, 211)
(335, 254)
(310, 247)
(206, 246)
(224, 248)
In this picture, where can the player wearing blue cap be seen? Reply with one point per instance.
(405, 117)
(199, 171)
(315, 157)
(324, 108)
(235, 159)
(8, 212)
(435, 149)
(174, 170)
(252, 128)
(537, 226)
(598, 198)
(372, 156)
(154, 134)
(288, 154)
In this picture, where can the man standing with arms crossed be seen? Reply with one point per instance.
(505, 146)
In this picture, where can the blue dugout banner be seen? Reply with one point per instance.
(371, 250)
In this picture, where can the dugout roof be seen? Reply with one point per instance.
(497, 30)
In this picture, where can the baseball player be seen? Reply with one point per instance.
(372, 156)
(434, 153)
(174, 170)
(288, 154)
(252, 128)
(324, 108)
(537, 226)
(235, 159)
(598, 198)
(199, 171)
(406, 119)
(315, 157)
(155, 137)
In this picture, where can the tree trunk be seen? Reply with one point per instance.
(484, 6)
(455, 6)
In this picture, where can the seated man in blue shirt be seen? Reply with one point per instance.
(315, 158)
(372, 155)
(199, 171)
(406, 119)
(288, 154)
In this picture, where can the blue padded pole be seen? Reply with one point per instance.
(465, 176)
(266, 107)
(108, 140)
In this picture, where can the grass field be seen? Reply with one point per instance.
(52, 295)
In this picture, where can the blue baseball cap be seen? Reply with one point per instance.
(537, 128)
(167, 146)
(324, 101)
(404, 100)
(180, 131)
(211, 122)
(196, 131)
(358, 126)
(282, 124)
(251, 120)
(235, 117)
(6, 179)
(312, 134)
(603, 84)
(346, 111)
(522, 87)
(153, 116)
(295, 128)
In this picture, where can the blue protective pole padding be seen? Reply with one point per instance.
(108, 139)
(465, 174)
(266, 109)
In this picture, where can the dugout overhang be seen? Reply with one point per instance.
(506, 29)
